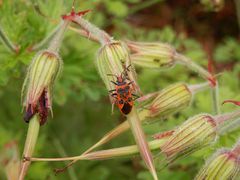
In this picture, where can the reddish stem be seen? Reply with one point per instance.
(232, 101)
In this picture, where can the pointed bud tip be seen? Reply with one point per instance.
(231, 101)
(170, 100)
(223, 164)
(194, 134)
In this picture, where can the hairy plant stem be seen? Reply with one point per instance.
(84, 33)
(58, 36)
(107, 154)
(206, 75)
(236, 149)
(140, 139)
(181, 59)
(195, 88)
(6, 41)
(32, 135)
(92, 30)
(46, 40)
(215, 99)
(227, 116)
(229, 126)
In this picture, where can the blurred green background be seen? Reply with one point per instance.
(82, 112)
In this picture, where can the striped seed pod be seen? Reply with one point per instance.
(195, 133)
(224, 164)
(152, 55)
(170, 100)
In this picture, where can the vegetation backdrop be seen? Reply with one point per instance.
(82, 112)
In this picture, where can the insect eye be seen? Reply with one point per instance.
(120, 102)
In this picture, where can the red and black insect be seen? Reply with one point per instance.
(123, 92)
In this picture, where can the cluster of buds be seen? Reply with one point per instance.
(194, 134)
(160, 104)
(224, 164)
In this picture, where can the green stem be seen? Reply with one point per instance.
(107, 154)
(58, 36)
(101, 36)
(32, 135)
(6, 41)
(220, 119)
(215, 99)
(195, 88)
(141, 141)
(45, 41)
(179, 58)
(85, 34)
(229, 126)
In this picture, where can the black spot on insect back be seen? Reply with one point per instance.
(126, 109)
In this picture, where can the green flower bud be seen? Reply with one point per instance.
(195, 133)
(38, 83)
(224, 164)
(170, 100)
(161, 55)
(152, 55)
(112, 59)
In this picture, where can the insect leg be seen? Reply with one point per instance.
(114, 82)
(135, 96)
(114, 94)
(131, 82)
